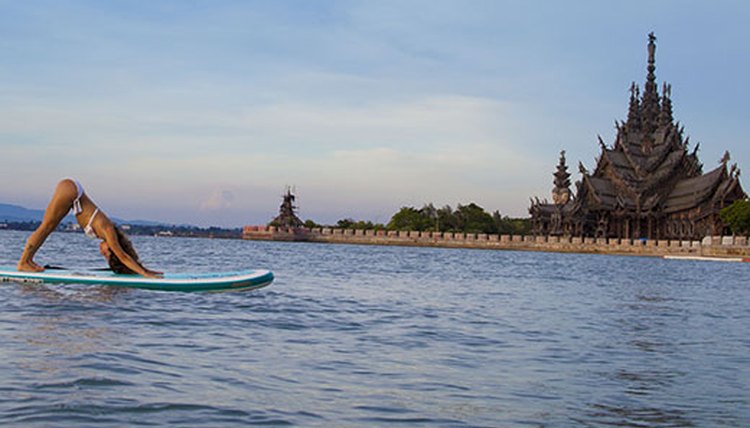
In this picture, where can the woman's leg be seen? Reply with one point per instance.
(59, 206)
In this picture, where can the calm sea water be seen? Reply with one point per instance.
(355, 335)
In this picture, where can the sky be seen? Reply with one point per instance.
(203, 112)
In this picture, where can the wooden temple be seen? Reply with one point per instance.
(648, 184)
(287, 217)
(284, 227)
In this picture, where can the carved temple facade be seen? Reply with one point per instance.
(648, 184)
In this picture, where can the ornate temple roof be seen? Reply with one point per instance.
(649, 166)
(692, 192)
(650, 169)
(710, 187)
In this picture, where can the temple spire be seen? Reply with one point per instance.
(561, 191)
(650, 102)
(634, 120)
(562, 177)
(651, 56)
(666, 118)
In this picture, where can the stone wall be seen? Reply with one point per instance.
(716, 246)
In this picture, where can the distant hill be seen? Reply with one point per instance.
(16, 213)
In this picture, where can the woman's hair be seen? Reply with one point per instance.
(115, 264)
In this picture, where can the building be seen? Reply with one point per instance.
(287, 217)
(284, 227)
(648, 184)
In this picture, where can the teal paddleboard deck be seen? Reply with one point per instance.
(185, 282)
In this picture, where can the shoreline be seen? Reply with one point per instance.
(723, 248)
(710, 247)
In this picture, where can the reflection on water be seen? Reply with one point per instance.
(61, 328)
(640, 342)
(60, 294)
(376, 336)
(627, 416)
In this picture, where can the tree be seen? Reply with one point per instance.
(469, 218)
(345, 223)
(311, 224)
(511, 226)
(348, 223)
(409, 218)
(474, 219)
(737, 217)
(429, 212)
(446, 220)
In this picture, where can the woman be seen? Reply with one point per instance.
(115, 246)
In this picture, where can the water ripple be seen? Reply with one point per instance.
(353, 335)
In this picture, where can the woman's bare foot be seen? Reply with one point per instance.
(29, 266)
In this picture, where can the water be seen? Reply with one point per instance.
(355, 335)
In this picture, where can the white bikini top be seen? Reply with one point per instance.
(77, 209)
(88, 230)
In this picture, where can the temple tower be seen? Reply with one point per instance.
(287, 217)
(647, 184)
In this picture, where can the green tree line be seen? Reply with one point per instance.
(469, 218)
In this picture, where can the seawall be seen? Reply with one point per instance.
(711, 246)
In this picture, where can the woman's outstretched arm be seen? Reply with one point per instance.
(110, 237)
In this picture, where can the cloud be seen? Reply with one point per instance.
(159, 109)
(219, 200)
(344, 154)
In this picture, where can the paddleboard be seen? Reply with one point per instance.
(185, 282)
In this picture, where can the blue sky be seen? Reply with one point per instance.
(204, 111)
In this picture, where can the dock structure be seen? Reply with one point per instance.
(710, 246)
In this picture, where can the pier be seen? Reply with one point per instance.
(711, 246)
